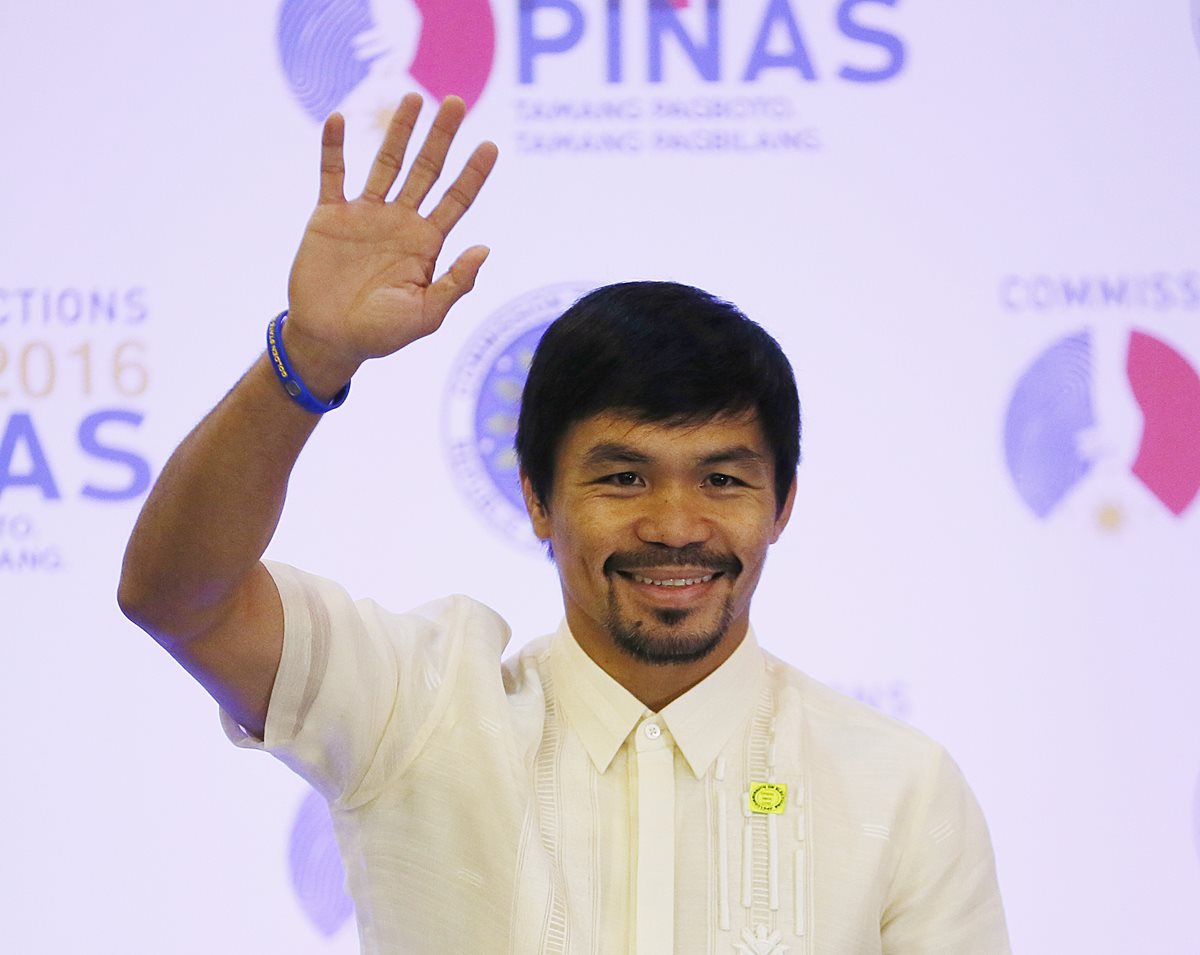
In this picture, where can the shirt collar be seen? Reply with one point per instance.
(701, 721)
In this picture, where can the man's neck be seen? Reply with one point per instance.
(658, 684)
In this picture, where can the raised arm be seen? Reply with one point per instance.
(362, 286)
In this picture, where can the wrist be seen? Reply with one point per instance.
(318, 362)
(309, 376)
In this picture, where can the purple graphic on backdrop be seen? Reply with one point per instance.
(1050, 408)
(329, 48)
(316, 46)
(1196, 21)
(317, 874)
(76, 377)
(695, 32)
(484, 399)
(691, 77)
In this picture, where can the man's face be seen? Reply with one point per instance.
(660, 532)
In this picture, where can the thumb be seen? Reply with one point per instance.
(457, 282)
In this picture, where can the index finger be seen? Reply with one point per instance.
(333, 163)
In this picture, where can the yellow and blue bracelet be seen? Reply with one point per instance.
(292, 383)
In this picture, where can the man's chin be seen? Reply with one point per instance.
(671, 616)
(665, 635)
(667, 641)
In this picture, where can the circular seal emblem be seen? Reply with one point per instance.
(483, 401)
(767, 797)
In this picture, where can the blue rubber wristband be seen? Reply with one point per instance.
(292, 383)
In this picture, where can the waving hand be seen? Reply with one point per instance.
(362, 284)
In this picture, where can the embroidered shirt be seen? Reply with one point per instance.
(535, 806)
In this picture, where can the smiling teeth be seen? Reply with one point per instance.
(677, 582)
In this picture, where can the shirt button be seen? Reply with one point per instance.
(653, 731)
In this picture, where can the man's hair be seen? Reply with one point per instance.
(658, 352)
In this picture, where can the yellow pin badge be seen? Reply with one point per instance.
(770, 798)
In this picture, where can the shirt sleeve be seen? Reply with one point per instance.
(945, 897)
(360, 688)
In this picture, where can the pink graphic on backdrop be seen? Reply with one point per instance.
(1168, 391)
(457, 46)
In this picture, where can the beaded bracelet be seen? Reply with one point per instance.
(292, 383)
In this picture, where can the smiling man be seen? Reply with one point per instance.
(654, 422)
(659, 534)
(645, 780)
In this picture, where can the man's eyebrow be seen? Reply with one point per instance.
(611, 452)
(735, 455)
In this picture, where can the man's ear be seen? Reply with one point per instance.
(785, 512)
(539, 516)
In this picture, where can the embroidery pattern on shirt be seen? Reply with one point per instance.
(760, 942)
(722, 839)
(759, 865)
(773, 844)
(555, 935)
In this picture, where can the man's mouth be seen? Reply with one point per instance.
(669, 581)
(676, 569)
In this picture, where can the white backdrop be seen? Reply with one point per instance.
(972, 226)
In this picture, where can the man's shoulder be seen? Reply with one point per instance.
(839, 724)
(304, 591)
(529, 662)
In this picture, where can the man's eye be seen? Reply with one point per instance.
(622, 479)
(721, 480)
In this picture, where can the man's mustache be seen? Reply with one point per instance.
(661, 558)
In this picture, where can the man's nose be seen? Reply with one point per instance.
(673, 517)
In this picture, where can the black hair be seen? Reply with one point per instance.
(659, 352)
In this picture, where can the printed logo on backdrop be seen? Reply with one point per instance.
(891, 697)
(360, 56)
(73, 384)
(1159, 292)
(619, 77)
(318, 878)
(1110, 417)
(483, 400)
(698, 77)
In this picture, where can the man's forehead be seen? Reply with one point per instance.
(615, 432)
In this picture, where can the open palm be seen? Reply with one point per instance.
(362, 284)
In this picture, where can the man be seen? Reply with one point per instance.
(646, 780)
